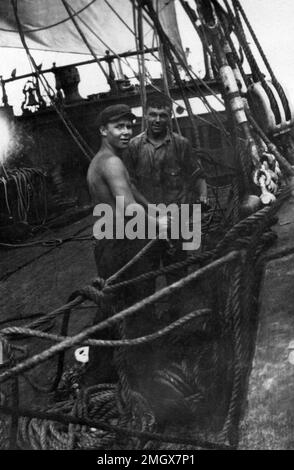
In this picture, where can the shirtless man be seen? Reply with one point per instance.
(108, 178)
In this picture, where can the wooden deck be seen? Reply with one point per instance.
(40, 278)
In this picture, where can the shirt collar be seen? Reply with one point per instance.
(166, 139)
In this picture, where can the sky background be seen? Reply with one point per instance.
(272, 21)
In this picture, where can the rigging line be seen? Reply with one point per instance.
(126, 62)
(209, 107)
(206, 103)
(4, 182)
(141, 64)
(72, 130)
(35, 30)
(215, 114)
(170, 48)
(119, 17)
(125, 23)
(237, 59)
(4, 169)
(195, 78)
(256, 72)
(48, 89)
(164, 67)
(155, 40)
(76, 64)
(16, 179)
(119, 57)
(69, 10)
(258, 45)
(158, 11)
(190, 73)
(165, 83)
(277, 85)
(193, 17)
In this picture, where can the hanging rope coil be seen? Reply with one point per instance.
(26, 182)
(105, 417)
(46, 435)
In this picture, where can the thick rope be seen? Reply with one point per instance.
(265, 60)
(134, 260)
(65, 419)
(81, 337)
(15, 331)
(226, 242)
(288, 169)
(230, 427)
(257, 74)
(252, 228)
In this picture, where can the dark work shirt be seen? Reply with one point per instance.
(162, 172)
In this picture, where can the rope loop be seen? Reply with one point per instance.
(99, 283)
(89, 293)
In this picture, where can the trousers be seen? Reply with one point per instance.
(110, 256)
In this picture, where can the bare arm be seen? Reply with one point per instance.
(139, 196)
(117, 179)
(129, 159)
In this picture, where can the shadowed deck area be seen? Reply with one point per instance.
(269, 419)
(39, 279)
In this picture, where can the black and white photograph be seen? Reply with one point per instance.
(146, 228)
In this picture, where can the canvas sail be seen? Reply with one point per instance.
(107, 24)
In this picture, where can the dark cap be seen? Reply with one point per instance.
(114, 113)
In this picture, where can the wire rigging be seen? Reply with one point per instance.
(69, 10)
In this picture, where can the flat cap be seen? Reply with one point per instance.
(115, 112)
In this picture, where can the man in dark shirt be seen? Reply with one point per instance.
(161, 163)
(163, 168)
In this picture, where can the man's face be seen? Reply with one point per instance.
(157, 121)
(118, 134)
